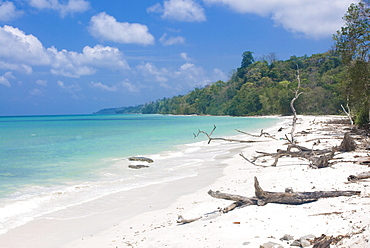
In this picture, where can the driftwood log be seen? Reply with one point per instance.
(348, 144)
(182, 220)
(318, 158)
(363, 175)
(263, 197)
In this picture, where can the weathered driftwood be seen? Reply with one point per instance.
(292, 198)
(318, 158)
(363, 175)
(295, 198)
(296, 95)
(237, 198)
(323, 241)
(364, 161)
(182, 220)
(348, 111)
(224, 139)
(257, 136)
(348, 144)
(232, 206)
(322, 161)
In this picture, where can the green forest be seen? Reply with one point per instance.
(266, 86)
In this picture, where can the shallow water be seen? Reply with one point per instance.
(49, 163)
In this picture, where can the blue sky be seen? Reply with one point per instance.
(79, 56)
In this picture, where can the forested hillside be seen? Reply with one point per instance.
(266, 86)
(262, 88)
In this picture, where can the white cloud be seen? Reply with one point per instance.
(73, 64)
(186, 76)
(42, 82)
(4, 81)
(36, 92)
(17, 47)
(180, 10)
(72, 6)
(19, 52)
(71, 89)
(185, 56)
(8, 11)
(130, 86)
(218, 74)
(149, 70)
(103, 87)
(314, 18)
(16, 67)
(61, 84)
(169, 41)
(106, 27)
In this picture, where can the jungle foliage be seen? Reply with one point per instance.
(352, 42)
(262, 88)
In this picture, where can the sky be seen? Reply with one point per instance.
(79, 56)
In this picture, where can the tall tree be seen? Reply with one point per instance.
(353, 44)
(247, 59)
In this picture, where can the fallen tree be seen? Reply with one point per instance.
(317, 158)
(263, 197)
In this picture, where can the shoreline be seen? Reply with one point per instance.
(253, 226)
(155, 224)
(50, 230)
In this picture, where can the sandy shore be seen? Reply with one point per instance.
(151, 222)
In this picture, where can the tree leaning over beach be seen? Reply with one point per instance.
(352, 42)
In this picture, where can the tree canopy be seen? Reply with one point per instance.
(263, 88)
(266, 86)
(352, 42)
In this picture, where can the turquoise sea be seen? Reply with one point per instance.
(49, 163)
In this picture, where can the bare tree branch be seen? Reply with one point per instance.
(257, 136)
(224, 139)
(296, 95)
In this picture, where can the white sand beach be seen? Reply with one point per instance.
(150, 214)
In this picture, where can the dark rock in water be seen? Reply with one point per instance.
(139, 166)
(142, 159)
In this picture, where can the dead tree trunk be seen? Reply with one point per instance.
(348, 111)
(296, 95)
(292, 198)
(348, 144)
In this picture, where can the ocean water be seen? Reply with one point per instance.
(50, 163)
